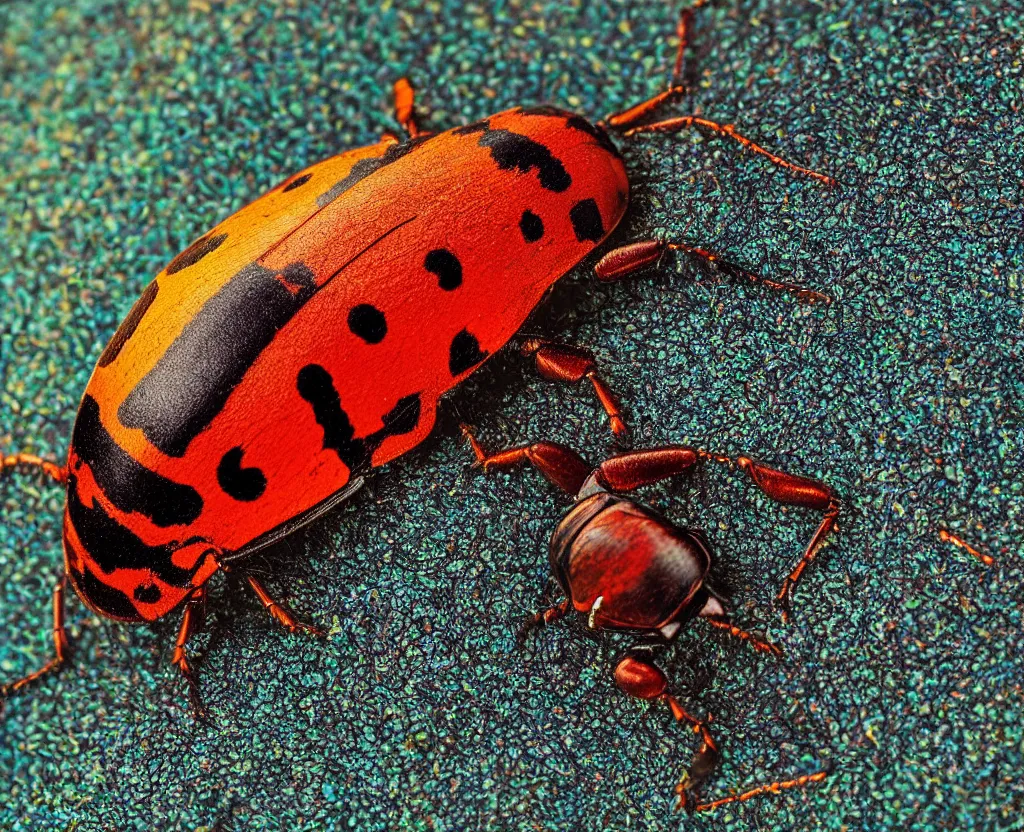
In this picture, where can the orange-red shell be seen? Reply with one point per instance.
(311, 335)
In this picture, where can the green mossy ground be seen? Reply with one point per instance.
(126, 130)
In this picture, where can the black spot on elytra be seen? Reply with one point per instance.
(245, 484)
(544, 110)
(316, 386)
(126, 483)
(297, 183)
(446, 266)
(364, 167)
(192, 380)
(367, 322)
(574, 122)
(481, 126)
(148, 594)
(195, 252)
(586, 221)
(129, 325)
(113, 546)
(106, 599)
(464, 353)
(398, 421)
(532, 226)
(298, 279)
(512, 151)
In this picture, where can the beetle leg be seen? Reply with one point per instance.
(57, 473)
(405, 106)
(558, 362)
(683, 30)
(191, 621)
(641, 678)
(792, 490)
(730, 269)
(676, 87)
(543, 618)
(759, 645)
(673, 124)
(632, 470)
(560, 465)
(279, 613)
(767, 788)
(638, 112)
(60, 643)
(630, 258)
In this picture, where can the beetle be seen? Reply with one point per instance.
(626, 568)
(308, 338)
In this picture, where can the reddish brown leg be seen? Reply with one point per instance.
(638, 112)
(629, 471)
(191, 621)
(560, 465)
(793, 490)
(641, 678)
(676, 88)
(673, 124)
(949, 537)
(279, 613)
(60, 643)
(627, 259)
(557, 362)
(759, 645)
(544, 618)
(59, 475)
(683, 32)
(768, 788)
(405, 106)
(56, 472)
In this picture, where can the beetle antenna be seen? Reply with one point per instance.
(673, 124)
(630, 119)
(683, 29)
(624, 260)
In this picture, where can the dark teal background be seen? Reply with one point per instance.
(126, 130)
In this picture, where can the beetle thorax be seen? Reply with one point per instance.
(633, 568)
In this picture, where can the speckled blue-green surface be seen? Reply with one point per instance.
(128, 129)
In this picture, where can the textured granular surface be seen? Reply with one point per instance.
(127, 129)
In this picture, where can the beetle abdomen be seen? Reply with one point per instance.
(311, 334)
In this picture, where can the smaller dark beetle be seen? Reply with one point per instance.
(625, 567)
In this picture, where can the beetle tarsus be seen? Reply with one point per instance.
(760, 645)
(281, 615)
(948, 537)
(704, 763)
(58, 474)
(767, 788)
(191, 621)
(61, 645)
(733, 270)
(542, 619)
(683, 31)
